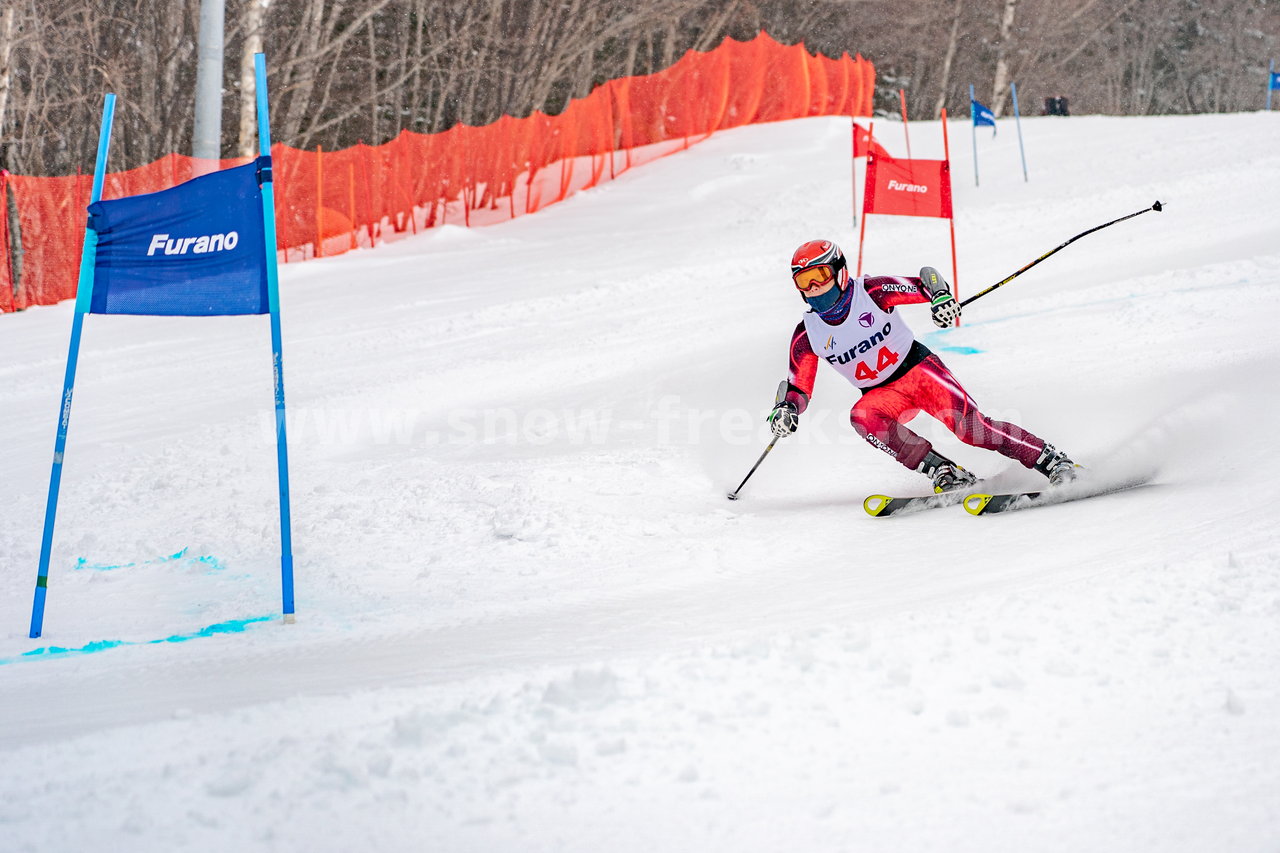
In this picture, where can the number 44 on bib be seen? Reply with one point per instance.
(885, 359)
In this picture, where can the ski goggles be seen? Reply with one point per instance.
(812, 278)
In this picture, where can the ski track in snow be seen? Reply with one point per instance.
(528, 619)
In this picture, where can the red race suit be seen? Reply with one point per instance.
(864, 339)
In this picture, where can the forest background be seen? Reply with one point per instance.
(348, 72)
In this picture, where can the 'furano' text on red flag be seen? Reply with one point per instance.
(908, 187)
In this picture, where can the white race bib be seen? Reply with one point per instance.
(868, 346)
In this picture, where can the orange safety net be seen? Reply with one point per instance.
(329, 202)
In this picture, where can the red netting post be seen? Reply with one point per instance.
(9, 293)
(564, 160)
(351, 202)
(628, 130)
(318, 251)
(535, 149)
(468, 184)
(402, 141)
(368, 191)
(377, 193)
(286, 199)
(512, 160)
(613, 129)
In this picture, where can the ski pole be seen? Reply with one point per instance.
(783, 386)
(733, 496)
(1157, 207)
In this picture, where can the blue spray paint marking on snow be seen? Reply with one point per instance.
(214, 564)
(232, 626)
(60, 651)
(82, 563)
(936, 341)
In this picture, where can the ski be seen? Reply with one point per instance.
(883, 506)
(980, 503)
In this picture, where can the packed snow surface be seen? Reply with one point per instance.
(528, 619)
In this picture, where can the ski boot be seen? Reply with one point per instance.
(946, 475)
(1056, 465)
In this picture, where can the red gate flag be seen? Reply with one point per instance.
(911, 188)
(908, 187)
(864, 143)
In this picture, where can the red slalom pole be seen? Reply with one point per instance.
(867, 196)
(853, 167)
(902, 99)
(951, 220)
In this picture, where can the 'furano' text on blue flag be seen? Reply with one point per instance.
(982, 117)
(195, 250)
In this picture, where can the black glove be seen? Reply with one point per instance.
(944, 307)
(784, 419)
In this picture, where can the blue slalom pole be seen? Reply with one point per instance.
(84, 298)
(277, 352)
(973, 124)
(1017, 120)
(1271, 76)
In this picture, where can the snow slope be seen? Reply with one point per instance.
(528, 619)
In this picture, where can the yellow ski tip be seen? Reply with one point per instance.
(875, 504)
(975, 504)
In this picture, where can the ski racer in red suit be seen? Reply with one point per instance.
(852, 325)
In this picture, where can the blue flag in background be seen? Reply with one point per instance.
(195, 250)
(1275, 80)
(982, 117)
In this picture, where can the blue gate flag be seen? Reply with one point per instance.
(194, 250)
(1275, 79)
(982, 117)
(203, 248)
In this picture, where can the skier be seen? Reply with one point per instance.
(852, 325)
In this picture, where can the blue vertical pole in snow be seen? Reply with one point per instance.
(973, 124)
(1017, 118)
(277, 360)
(84, 298)
(1271, 76)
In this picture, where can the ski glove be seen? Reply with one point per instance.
(784, 419)
(944, 307)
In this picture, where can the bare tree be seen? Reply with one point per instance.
(7, 33)
(255, 17)
(1000, 88)
(949, 57)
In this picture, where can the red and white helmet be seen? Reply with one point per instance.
(817, 262)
